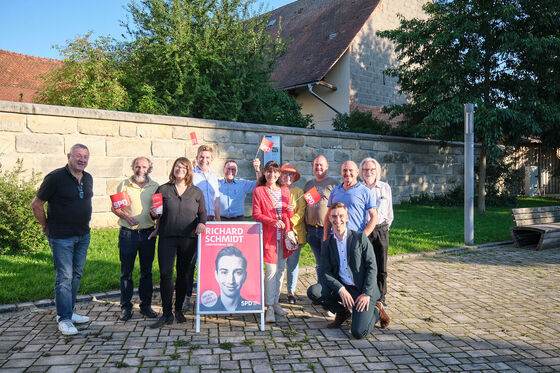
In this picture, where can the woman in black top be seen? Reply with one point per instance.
(182, 219)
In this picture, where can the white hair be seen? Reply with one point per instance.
(377, 167)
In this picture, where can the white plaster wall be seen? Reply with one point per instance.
(339, 76)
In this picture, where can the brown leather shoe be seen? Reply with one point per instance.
(340, 318)
(384, 319)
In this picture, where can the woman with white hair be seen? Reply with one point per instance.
(370, 172)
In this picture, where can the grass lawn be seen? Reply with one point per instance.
(416, 228)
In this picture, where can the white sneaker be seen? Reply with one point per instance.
(79, 319)
(67, 328)
(331, 315)
(76, 319)
(279, 310)
(269, 315)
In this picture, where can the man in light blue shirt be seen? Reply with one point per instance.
(358, 199)
(233, 191)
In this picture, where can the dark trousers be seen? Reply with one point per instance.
(190, 274)
(314, 238)
(233, 218)
(183, 248)
(362, 322)
(379, 238)
(132, 242)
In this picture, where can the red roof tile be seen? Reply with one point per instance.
(320, 32)
(20, 75)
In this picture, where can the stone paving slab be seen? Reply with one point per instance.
(496, 309)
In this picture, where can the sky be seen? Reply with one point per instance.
(33, 27)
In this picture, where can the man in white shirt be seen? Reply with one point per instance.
(370, 171)
(207, 182)
(349, 274)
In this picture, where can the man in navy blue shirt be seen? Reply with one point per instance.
(68, 191)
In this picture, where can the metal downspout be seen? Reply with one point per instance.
(310, 88)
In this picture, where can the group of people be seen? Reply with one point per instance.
(350, 263)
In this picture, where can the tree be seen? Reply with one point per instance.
(362, 122)
(207, 59)
(539, 77)
(89, 77)
(472, 51)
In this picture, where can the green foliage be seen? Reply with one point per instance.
(455, 197)
(20, 233)
(539, 66)
(89, 77)
(500, 55)
(206, 59)
(361, 122)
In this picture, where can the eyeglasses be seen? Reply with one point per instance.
(81, 191)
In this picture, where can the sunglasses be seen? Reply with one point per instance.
(81, 191)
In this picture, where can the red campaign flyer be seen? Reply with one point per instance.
(230, 277)
(120, 200)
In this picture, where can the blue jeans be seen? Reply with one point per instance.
(69, 257)
(130, 243)
(292, 264)
(315, 240)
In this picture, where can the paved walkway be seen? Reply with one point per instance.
(487, 310)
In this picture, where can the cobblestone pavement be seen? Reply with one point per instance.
(486, 310)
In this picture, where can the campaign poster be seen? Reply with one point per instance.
(230, 276)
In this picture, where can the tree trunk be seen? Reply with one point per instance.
(482, 180)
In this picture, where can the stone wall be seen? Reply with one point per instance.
(41, 135)
(371, 55)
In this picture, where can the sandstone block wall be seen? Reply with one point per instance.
(371, 55)
(42, 135)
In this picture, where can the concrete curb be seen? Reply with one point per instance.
(44, 303)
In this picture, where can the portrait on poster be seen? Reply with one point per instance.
(230, 262)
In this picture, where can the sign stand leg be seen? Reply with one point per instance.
(262, 321)
(197, 323)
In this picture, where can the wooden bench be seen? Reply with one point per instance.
(536, 227)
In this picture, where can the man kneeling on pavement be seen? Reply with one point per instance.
(348, 285)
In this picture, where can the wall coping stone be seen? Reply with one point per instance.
(41, 109)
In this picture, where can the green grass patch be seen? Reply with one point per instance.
(416, 228)
(31, 277)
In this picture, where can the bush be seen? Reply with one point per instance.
(20, 233)
(455, 197)
(361, 122)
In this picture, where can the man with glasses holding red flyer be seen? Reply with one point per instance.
(68, 191)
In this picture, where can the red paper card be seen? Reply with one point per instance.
(120, 200)
(312, 196)
(266, 145)
(157, 201)
(193, 138)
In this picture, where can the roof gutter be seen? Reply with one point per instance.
(325, 84)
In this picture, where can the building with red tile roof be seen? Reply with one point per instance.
(21, 75)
